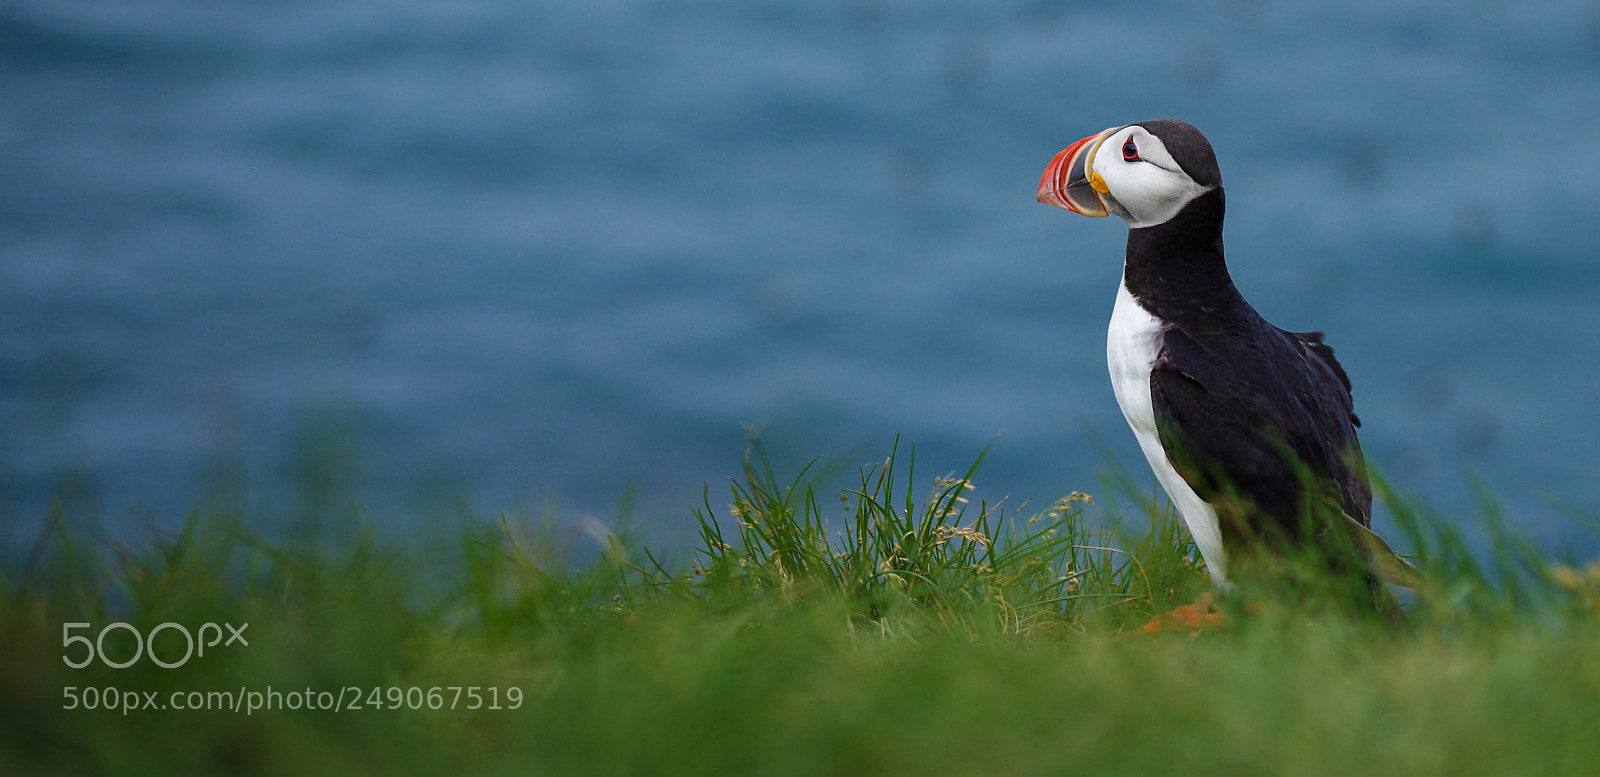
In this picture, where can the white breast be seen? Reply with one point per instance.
(1132, 345)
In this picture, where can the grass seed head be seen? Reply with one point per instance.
(944, 533)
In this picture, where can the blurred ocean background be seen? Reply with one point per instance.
(550, 257)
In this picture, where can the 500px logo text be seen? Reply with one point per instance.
(145, 644)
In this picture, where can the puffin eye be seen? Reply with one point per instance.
(1130, 152)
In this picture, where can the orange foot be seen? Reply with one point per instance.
(1191, 617)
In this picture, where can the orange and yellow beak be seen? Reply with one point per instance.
(1069, 182)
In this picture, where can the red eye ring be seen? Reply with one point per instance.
(1130, 152)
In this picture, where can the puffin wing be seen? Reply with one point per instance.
(1339, 415)
(1230, 436)
(1263, 431)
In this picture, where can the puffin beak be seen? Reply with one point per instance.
(1068, 183)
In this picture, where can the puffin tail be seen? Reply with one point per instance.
(1385, 565)
(1389, 607)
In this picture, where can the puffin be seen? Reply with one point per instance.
(1250, 429)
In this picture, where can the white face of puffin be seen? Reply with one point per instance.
(1139, 180)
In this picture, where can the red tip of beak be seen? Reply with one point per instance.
(1065, 183)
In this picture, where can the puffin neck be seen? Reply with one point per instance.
(1176, 269)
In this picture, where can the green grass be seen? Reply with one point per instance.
(893, 627)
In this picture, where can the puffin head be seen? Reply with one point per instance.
(1146, 172)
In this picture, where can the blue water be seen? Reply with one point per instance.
(535, 256)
